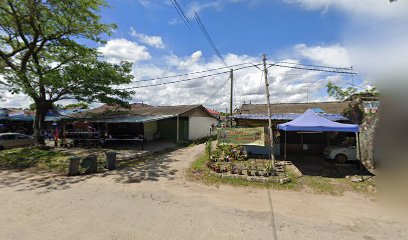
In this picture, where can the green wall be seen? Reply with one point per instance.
(168, 129)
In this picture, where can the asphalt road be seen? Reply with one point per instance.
(155, 201)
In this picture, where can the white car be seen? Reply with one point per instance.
(12, 140)
(340, 154)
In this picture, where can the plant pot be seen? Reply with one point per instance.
(217, 169)
(240, 172)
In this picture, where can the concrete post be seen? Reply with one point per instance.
(73, 166)
(178, 128)
(111, 160)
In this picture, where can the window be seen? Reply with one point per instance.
(8, 137)
(21, 136)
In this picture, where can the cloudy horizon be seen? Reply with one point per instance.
(357, 36)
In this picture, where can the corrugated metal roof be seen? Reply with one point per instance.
(137, 110)
(132, 119)
(300, 108)
(288, 116)
(28, 116)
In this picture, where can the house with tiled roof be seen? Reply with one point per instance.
(172, 123)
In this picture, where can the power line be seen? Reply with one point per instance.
(208, 37)
(177, 81)
(181, 13)
(203, 29)
(319, 66)
(313, 69)
(215, 93)
(182, 80)
(190, 73)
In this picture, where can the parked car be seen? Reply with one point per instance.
(341, 154)
(12, 140)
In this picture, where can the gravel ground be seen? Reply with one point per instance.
(155, 201)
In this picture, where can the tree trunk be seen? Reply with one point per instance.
(42, 108)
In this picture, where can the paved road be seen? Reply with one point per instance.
(154, 201)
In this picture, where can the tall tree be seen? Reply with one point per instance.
(43, 56)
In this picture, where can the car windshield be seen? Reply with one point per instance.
(348, 142)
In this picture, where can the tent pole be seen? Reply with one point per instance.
(285, 145)
(359, 155)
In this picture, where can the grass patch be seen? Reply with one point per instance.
(198, 171)
(321, 185)
(35, 158)
(337, 186)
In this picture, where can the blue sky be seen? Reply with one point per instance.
(370, 35)
(240, 28)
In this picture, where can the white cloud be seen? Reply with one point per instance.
(335, 55)
(373, 8)
(9, 100)
(153, 41)
(286, 85)
(121, 49)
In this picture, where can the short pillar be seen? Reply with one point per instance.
(111, 160)
(90, 164)
(73, 166)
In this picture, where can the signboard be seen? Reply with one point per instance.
(242, 136)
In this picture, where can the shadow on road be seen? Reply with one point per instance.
(318, 166)
(27, 181)
(149, 168)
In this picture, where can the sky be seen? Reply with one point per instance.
(369, 35)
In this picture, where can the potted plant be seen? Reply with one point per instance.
(234, 169)
(268, 170)
(251, 170)
(223, 168)
(260, 171)
(239, 169)
(217, 168)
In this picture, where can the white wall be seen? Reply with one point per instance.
(150, 128)
(199, 127)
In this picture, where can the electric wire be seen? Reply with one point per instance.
(319, 66)
(208, 37)
(190, 73)
(183, 80)
(313, 69)
(181, 13)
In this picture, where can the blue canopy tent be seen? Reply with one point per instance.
(310, 121)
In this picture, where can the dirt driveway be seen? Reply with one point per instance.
(154, 201)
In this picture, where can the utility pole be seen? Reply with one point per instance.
(232, 92)
(269, 109)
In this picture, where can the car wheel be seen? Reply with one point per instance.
(341, 158)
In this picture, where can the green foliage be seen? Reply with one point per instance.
(42, 55)
(199, 171)
(208, 149)
(338, 92)
(342, 94)
(80, 105)
(33, 106)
